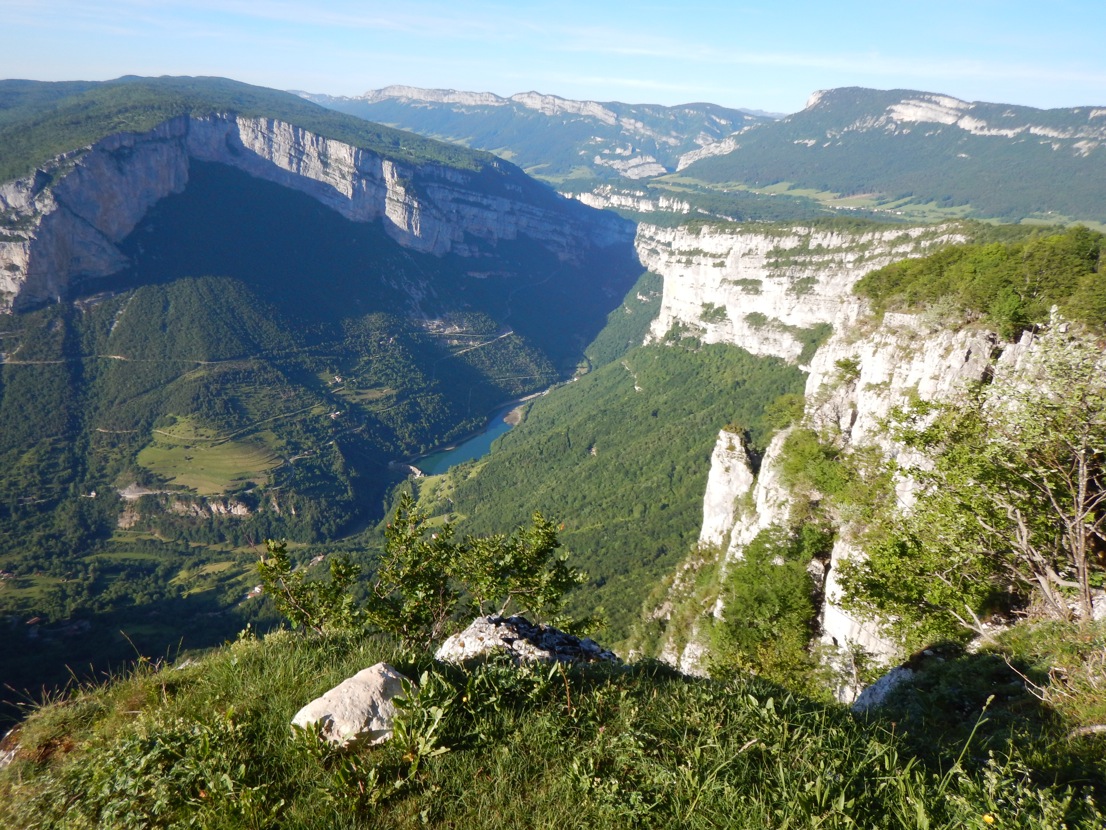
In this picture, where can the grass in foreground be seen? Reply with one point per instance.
(208, 744)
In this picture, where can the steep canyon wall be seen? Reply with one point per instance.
(765, 292)
(63, 226)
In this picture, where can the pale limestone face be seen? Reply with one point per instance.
(769, 285)
(106, 193)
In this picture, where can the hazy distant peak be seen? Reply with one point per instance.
(995, 120)
(898, 110)
(554, 105)
(437, 96)
(546, 104)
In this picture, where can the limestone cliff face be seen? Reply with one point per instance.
(709, 148)
(65, 227)
(854, 383)
(855, 380)
(856, 377)
(768, 504)
(737, 505)
(730, 478)
(768, 291)
(609, 196)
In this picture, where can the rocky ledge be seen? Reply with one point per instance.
(523, 641)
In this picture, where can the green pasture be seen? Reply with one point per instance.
(1050, 219)
(212, 575)
(366, 395)
(199, 459)
(120, 536)
(124, 555)
(27, 588)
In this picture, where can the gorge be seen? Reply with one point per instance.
(225, 314)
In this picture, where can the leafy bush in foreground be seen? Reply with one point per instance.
(426, 579)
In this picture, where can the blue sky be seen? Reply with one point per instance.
(756, 55)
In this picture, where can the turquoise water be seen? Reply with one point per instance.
(475, 447)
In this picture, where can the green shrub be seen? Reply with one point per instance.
(768, 609)
(712, 313)
(315, 605)
(426, 579)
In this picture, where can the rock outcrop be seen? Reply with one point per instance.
(875, 695)
(64, 226)
(737, 505)
(768, 502)
(9, 747)
(714, 148)
(769, 292)
(713, 283)
(729, 480)
(522, 641)
(359, 708)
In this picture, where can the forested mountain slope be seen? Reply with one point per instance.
(229, 311)
(899, 148)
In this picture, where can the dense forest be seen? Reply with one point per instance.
(1004, 285)
(621, 457)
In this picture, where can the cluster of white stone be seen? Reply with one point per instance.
(361, 708)
(522, 641)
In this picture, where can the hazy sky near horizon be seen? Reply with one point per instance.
(756, 55)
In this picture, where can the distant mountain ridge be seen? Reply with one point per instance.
(534, 100)
(1088, 124)
(910, 147)
(896, 151)
(554, 137)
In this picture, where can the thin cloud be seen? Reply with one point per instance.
(628, 83)
(487, 43)
(425, 20)
(864, 65)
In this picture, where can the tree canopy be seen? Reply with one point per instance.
(1005, 284)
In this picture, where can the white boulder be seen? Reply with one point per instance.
(874, 696)
(359, 708)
